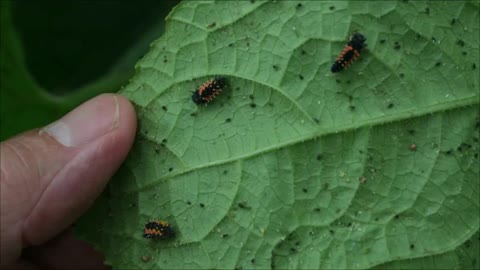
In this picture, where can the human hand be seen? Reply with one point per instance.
(50, 177)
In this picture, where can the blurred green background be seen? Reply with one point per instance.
(54, 55)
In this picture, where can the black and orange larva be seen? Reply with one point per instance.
(349, 53)
(158, 229)
(208, 91)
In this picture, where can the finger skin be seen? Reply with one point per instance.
(45, 185)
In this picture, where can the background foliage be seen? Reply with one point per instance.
(293, 167)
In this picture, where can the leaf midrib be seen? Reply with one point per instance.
(411, 113)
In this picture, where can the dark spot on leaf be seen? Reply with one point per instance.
(165, 60)
(157, 150)
(449, 152)
(438, 64)
(305, 190)
(331, 231)
(300, 76)
(411, 131)
(332, 7)
(397, 216)
(460, 43)
(349, 224)
(252, 1)
(475, 139)
(189, 202)
(303, 52)
(317, 209)
(459, 149)
(467, 145)
(464, 53)
(412, 246)
(319, 157)
(337, 80)
(164, 108)
(252, 261)
(225, 172)
(325, 186)
(352, 108)
(237, 88)
(271, 104)
(170, 169)
(376, 219)
(397, 46)
(452, 22)
(390, 105)
(213, 24)
(475, 155)
(193, 114)
(474, 66)
(251, 96)
(228, 120)
(243, 205)
(299, 5)
(348, 81)
(382, 41)
(316, 120)
(230, 45)
(293, 250)
(224, 235)
(405, 1)
(418, 36)
(164, 141)
(275, 67)
(248, 44)
(427, 11)
(202, 205)
(253, 105)
(402, 75)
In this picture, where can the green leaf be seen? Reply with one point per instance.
(293, 166)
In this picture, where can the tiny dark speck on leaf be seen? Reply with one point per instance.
(170, 169)
(189, 202)
(225, 172)
(459, 149)
(213, 24)
(438, 64)
(390, 105)
(304, 190)
(319, 157)
(228, 120)
(275, 67)
(253, 105)
(299, 5)
(382, 41)
(317, 209)
(397, 46)
(293, 250)
(164, 141)
(303, 52)
(464, 53)
(411, 131)
(402, 75)
(164, 108)
(224, 235)
(474, 66)
(397, 216)
(376, 219)
(460, 43)
(316, 120)
(449, 152)
(452, 22)
(427, 11)
(352, 108)
(337, 80)
(300, 76)
(412, 246)
(202, 205)
(193, 114)
(332, 7)
(251, 96)
(348, 81)
(252, 261)
(230, 45)
(331, 231)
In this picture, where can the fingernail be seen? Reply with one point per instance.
(87, 122)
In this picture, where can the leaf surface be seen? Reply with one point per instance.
(293, 166)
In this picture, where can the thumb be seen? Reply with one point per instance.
(49, 177)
